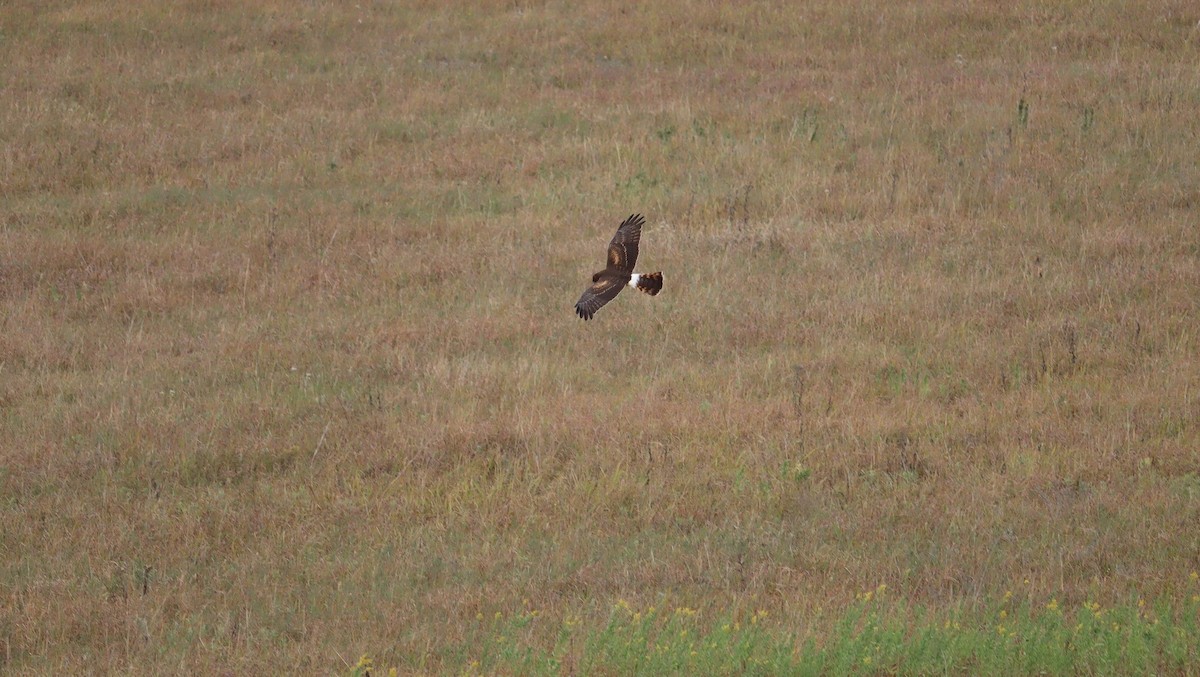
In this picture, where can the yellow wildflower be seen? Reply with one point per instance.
(1052, 605)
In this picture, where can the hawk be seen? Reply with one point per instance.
(622, 254)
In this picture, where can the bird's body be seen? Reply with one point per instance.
(622, 254)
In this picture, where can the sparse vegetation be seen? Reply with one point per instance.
(289, 372)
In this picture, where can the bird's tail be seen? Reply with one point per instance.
(651, 283)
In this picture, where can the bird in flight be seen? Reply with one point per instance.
(622, 254)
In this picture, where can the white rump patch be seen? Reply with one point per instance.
(633, 280)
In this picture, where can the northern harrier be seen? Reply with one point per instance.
(622, 254)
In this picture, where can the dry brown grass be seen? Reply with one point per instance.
(289, 371)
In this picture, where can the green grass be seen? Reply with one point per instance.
(877, 634)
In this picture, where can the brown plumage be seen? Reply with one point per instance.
(622, 255)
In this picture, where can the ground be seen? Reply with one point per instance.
(290, 373)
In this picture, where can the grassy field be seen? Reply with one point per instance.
(289, 371)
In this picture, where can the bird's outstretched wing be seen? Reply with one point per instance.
(623, 250)
(596, 296)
